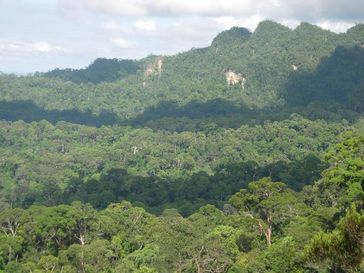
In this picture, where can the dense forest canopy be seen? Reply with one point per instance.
(246, 156)
(265, 227)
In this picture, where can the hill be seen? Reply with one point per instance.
(244, 156)
(273, 68)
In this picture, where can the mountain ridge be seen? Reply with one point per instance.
(251, 69)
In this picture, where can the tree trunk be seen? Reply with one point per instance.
(268, 235)
(268, 232)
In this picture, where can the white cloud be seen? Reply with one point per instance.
(83, 28)
(44, 47)
(122, 43)
(111, 25)
(337, 27)
(227, 22)
(115, 26)
(189, 31)
(291, 23)
(163, 8)
(273, 9)
(29, 47)
(147, 25)
(134, 8)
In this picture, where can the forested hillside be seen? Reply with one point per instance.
(246, 156)
(271, 68)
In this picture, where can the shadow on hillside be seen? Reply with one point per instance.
(212, 115)
(200, 116)
(186, 194)
(338, 78)
(28, 112)
(195, 116)
(335, 91)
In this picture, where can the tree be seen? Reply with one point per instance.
(271, 201)
(342, 248)
(12, 224)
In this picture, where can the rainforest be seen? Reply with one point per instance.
(246, 156)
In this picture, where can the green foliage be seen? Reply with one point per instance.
(234, 174)
(346, 171)
(281, 68)
(101, 70)
(343, 247)
(123, 238)
(41, 163)
(232, 37)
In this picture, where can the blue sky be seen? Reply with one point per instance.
(39, 35)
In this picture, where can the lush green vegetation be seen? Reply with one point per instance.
(101, 70)
(280, 67)
(264, 228)
(45, 164)
(243, 157)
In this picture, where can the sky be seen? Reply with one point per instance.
(40, 35)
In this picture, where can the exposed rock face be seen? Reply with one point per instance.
(362, 45)
(148, 71)
(233, 78)
(154, 68)
(294, 67)
(159, 66)
(243, 82)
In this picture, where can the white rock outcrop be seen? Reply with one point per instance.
(233, 78)
(155, 68)
(159, 66)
